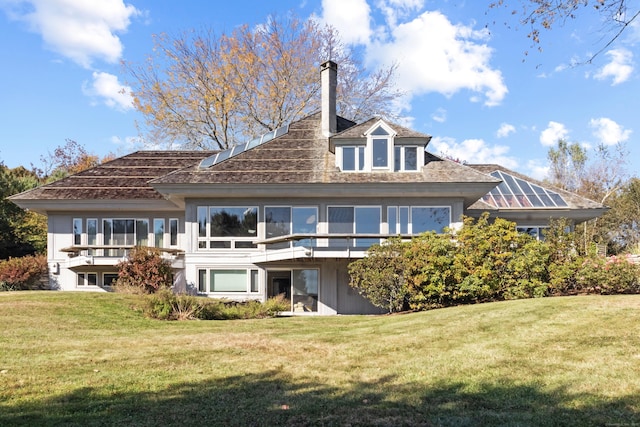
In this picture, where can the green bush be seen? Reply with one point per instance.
(380, 277)
(23, 273)
(144, 271)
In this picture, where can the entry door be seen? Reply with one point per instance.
(299, 287)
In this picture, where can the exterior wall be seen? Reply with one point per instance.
(64, 267)
(334, 294)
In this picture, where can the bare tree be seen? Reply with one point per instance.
(210, 91)
(541, 15)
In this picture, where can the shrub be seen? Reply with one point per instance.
(23, 273)
(145, 271)
(165, 305)
(429, 271)
(380, 277)
(612, 275)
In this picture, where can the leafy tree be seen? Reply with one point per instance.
(542, 15)
(567, 164)
(207, 90)
(21, 232)
(68, 159)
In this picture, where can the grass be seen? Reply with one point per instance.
(90, 359)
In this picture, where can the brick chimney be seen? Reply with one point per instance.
(329, 81)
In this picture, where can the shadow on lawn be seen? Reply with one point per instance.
(270, 399)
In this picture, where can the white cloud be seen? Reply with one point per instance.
(128, 143)
(107, 87)
(472, 151)
(537, 169)
(620, 67)
(440, 115)
(554, 131)
(350, 17)
(505, 130)
(608, 131)
(80, 30)
(398, 9)
(434, 55)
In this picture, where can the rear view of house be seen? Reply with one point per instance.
(282, 214)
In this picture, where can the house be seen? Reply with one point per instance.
(281, 214)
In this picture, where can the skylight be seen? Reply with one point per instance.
(241, 148)
(517, 193)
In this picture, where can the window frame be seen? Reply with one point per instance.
(85, 280)
(208, 242)
(205, 284)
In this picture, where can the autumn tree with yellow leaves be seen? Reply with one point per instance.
(209, 90)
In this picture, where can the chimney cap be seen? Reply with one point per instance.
(328, 64)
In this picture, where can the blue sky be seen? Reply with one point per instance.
(468, 81)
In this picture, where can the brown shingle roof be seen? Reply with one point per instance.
(358, 130)
(126, 177)
(302, 156)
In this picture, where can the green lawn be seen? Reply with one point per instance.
(92, 359)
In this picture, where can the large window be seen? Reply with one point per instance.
(227, 227)
(354, 220)
(158, 232)
(285, 220)
(231, 280)
(125, 232)
(418, 219)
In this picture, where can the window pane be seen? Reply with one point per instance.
(392, 219)
(277, 221)
(202, 221)
(360, 158)
(404, 220)
(77, 231)
(379, 131)
(109, 278)
(305, 290)
(348, 158)
(142, 232)
(92, 279)
(429, 219)
(80, 280)
(234, 222)
(92, 231)
(367, 220)
(202, 281)
(173, 232)
(254, 281)
(305, 221)
(228, 280)
(158, 232)
(397, 159)
(340, 221)
(410, 158)
(380, 154)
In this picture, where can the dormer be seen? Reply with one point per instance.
(377, 146)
